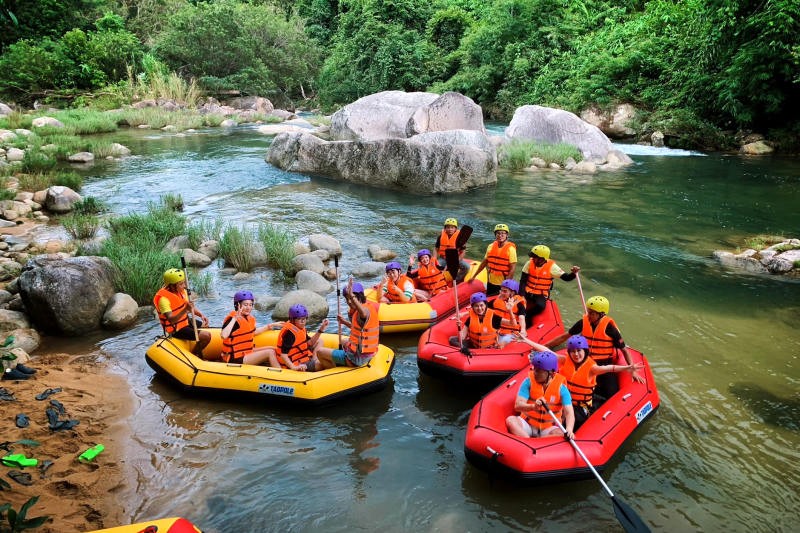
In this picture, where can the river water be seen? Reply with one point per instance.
(720, 454)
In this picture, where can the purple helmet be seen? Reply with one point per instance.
(577, 342)
(477, 297)
(511, 285)
(298, 311)
(422, 252)
(242, 295)
(393, 265)
(544, 361)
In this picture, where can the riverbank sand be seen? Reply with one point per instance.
(78, 496)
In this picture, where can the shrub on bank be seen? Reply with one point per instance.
(279, 246)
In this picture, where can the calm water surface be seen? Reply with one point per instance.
(721, 453)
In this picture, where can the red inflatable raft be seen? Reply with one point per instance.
(490, 447)
(436, 357)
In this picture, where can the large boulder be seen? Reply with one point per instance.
(61, 199)
(121, 312)
(398, 115)
(381, 115)
(420, 165)
(550, 125)
(615, 122)
(67, 296)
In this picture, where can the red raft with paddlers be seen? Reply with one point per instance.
(490, 447)
(435, 355)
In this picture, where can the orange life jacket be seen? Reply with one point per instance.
(499, 307)
(176, 304)
(539, 418)
(580, 381)
(481, 334)
(392, 295)
(540, 280)
(240, 342)
(447, 241)
(364, 339)
(431, 279)
(601, 346)
(498, 258)
(299, 353)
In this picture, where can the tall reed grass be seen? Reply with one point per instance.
(279, 246)
(517, 154)
(236, 247)
(81, 226)
(157, 81)
(204, 230)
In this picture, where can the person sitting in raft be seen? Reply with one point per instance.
(604, 338)
(428, 279)
(446, 240)
(581, 372)
(364, 326)
(537, 277)
(480, 328)
(239, 332)
(295, 346)
(173, 306)
(396, 287)
(500, 259)
(541, 389)
(511, 308)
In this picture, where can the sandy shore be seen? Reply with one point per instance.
(77, 496)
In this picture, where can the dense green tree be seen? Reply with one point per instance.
(34, 19)
(379, 45)
(230, 45)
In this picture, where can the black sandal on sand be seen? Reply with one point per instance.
(46, 394)
(23, 478)
(59, 407)
(56, 424)
(6, 395)
(22, 420)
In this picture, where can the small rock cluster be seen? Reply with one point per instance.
(782, 258)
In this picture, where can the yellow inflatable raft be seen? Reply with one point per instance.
(173, 358)
(418, 316)
(162, 525)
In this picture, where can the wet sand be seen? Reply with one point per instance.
(77, 496)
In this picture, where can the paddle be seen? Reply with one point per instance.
(463, 236)
(626, 516)
(453, 262)
(338, 298)
(580, 289)
(188, 295)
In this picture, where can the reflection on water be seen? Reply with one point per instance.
(724, 347)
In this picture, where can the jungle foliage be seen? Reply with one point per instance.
(692, 67)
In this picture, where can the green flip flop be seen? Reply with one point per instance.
(18, 460)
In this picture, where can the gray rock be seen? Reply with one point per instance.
(13, 320)
(209, 249)
(323, 241)
(81, 157)
(265, 303)
(15, 154)
(9, 270)
(550, 125)
(176, 244)
(657, 139)
(47, 121)
(369, 269)
(5, 296)
(312, 281)
(450, 111)
(317, 305)
(60, 199)
(307, 262)
(228, 123)
(614, 122)
(746, 263)
(195, 259)
(67, 296)
(405, 164)
(26, 339)
(119, 150)
(121, 312)
(5, 110)
(379, 253)
(757, 148)
(255, 103)
(383, 115)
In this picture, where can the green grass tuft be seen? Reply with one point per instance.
(517, 154)
(236, 246)
(81, 226)
(279, 246)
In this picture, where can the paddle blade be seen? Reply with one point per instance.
(463, 236)
(451, 259)
(628, 519)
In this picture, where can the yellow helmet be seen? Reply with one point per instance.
(540, 250)
(501, 227)
(598, 303)
(173, 276)
(451, 222)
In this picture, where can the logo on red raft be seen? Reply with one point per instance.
(280, 390)
(642, 413)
